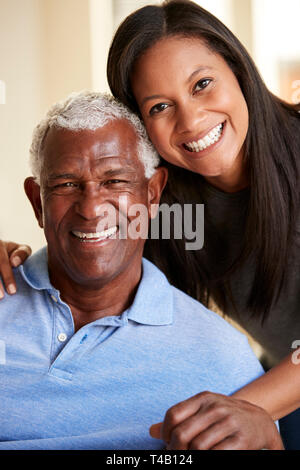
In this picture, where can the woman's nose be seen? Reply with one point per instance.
(189, 119)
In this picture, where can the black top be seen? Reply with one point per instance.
(282, 327)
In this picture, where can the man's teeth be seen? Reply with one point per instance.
(94, 237)
(211, 138)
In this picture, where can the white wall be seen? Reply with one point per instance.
(21, 70)
(101, 32)
(222, 9)
(66, 62)
(276, 37)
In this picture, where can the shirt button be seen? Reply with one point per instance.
(62, 337)
(54, 298)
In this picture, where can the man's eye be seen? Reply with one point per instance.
(68, 184)
(158, 108)
(201, 84)
(115, 181)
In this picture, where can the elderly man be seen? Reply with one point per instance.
(96, 345)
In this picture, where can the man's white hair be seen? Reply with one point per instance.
(90, 111)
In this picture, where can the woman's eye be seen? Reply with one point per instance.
(158, 108)
(201, 84)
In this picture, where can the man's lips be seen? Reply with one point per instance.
(92, 237)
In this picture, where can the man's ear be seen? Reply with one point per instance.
(32, 190)
(156, 186)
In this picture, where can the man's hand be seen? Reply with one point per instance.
(209, 421)
(11, 255)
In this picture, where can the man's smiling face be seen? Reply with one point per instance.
(84, 173)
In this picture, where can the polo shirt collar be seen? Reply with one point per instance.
(35, 271)
(153, 302)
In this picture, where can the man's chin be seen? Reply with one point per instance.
(90, 278)
(90, 265)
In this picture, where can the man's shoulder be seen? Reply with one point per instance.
(207, 332)
(190, 316)
(31, 279)
(202, 340)
(24, 292)
(190, 311)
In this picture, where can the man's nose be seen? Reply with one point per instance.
(91, 201)
(190, 118)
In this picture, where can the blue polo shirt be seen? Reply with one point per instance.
(103, 386)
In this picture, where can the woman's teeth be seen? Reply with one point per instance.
(211, 138)
(95, 237)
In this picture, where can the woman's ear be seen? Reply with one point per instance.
(32, 190)
(156, 186)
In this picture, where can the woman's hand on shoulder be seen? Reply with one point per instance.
(11, 255)
(210, 421)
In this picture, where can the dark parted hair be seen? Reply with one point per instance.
(272, 152)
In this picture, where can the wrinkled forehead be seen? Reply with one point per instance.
(117, 139)
(115, 130)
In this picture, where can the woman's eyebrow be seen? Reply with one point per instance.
(152, 97)
(202, 68)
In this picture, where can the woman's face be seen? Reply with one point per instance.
(193, 109)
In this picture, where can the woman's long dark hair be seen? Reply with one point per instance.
(272, 151)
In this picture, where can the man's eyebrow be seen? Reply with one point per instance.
(109, 172)
(120, 171)
(202, 68)
(64, 176)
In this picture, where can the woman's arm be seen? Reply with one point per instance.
(209, 421)
(242, 421)
(277, 391)
(11, 255)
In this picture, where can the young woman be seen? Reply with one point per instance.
(232, 145)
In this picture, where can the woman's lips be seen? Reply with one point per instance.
(210, 139)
